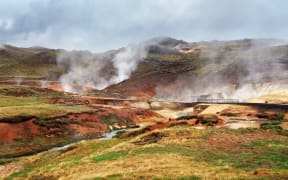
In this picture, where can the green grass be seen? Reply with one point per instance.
(8, 101)
(269, 154)
(275, 117)
(31, 101)
(27, 169)
(257, 156)
(52, 159)
(18, 174)
(114, 119)
(42, 111)
(275, 127)
(166, 57)
(179, 178)
(109, 156)
(172, 149)
(10, 67)
(5, 161)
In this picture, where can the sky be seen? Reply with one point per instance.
(100, 25)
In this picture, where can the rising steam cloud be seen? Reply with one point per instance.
(234, 69)
(256, 70)
(99, 70)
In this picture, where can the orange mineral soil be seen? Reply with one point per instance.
(13, 131)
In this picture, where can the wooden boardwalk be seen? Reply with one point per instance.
(218, 101)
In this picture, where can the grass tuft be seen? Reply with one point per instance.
(109, 156)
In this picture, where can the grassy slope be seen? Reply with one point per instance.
(19, 103)
(21, 62)
(28, 101)
(17, 69)
(182, 153)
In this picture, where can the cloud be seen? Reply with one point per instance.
(6, 24)
(106, 24)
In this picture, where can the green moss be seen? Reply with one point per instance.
(109, 156)
(163, 150)
(210, 124)
(279, 117)
(258, 154)
(274, 126)
(22, 174)
(8, 101)
(165, 57)
(270, 154)
(5, 161)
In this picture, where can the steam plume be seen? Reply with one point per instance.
(99, 70)
(253, 70)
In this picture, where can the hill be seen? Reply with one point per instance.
(157, 67)
(28, 63)
(173, 153)
(212, 69)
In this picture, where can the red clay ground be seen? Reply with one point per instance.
(13, 131)
(72, 126)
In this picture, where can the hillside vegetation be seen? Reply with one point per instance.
(31, 102)
(176, 153)
(169, 64)
(29, 63)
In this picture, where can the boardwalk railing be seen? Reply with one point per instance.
(217, 101)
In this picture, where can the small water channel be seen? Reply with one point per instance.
(106, 136)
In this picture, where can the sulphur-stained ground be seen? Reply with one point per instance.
(30, 121)
(179, 152)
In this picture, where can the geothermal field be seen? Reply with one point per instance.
(160, 109)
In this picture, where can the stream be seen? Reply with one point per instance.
(106, 136)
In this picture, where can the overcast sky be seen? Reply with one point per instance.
(100, 25)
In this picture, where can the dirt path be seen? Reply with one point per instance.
(214, 108)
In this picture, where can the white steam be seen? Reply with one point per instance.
(18, 80)
(126, 62)
(258, 70)
(44, 84)
(98, 71)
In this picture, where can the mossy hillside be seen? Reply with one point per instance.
(30, 101)
(183, 152)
